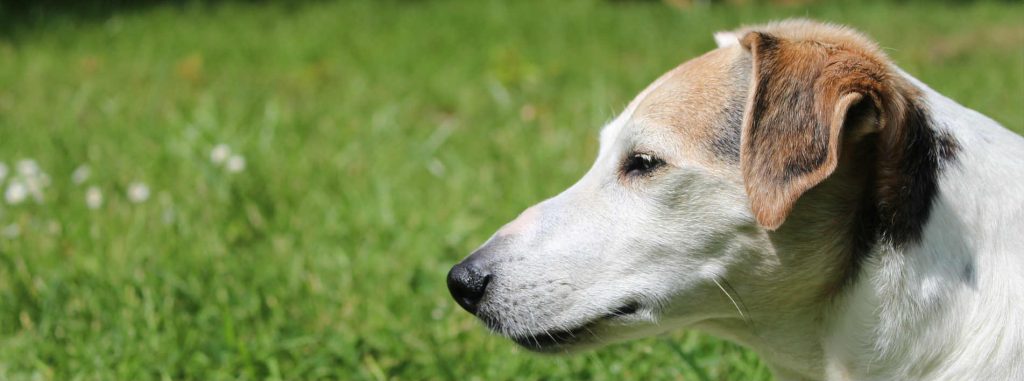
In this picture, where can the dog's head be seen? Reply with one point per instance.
(680, 220)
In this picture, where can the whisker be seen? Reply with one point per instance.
(591, 332)
(533, 322)
(743, 305)
(738, 309)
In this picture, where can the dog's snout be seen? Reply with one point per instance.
(468, 282)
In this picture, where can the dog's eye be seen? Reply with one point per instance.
(640, 164)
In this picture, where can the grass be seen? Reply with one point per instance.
(384, 141)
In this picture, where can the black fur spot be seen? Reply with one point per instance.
(907, 208)
(898, 217)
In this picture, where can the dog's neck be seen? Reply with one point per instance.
(903, 309)
(917, 307)
(813, 256)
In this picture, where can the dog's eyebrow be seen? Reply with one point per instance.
(612, 129)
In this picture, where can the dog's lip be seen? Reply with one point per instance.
(553, 340)
(624, 310)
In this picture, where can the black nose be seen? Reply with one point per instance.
(467, 283)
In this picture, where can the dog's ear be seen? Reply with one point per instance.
(799, 105)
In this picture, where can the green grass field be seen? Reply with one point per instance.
(383, 141)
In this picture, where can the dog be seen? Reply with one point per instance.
(795, 192)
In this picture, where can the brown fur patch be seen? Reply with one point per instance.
(828, 115)
(795, 85)
(697, 102)
(800, 94)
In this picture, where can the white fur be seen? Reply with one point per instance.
(726, 39)
(685, 248)
(912, 317)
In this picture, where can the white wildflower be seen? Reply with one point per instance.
(3, 171)
(16, 192)
(220, 153)
(138, 192)
(81, 174)
(28, 167)
(93, 197)
(35, 184)
(235, 164)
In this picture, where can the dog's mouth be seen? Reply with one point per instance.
(560, 340)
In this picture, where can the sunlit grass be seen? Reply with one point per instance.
(379, 143)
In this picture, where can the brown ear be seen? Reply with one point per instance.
(800, 98)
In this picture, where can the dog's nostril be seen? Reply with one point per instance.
(468, 283)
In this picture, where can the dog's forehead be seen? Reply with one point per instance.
(694, 110)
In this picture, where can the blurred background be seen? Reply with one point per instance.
(276, 189)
